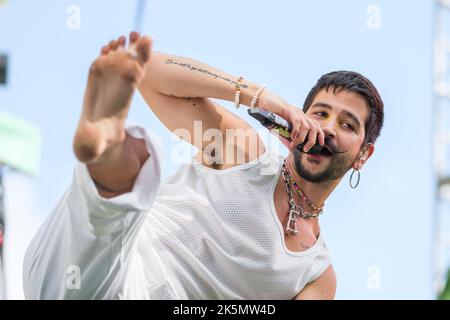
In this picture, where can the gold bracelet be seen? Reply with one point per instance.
(256, 96)
(237, 95)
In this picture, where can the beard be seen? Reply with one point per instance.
(338, 165)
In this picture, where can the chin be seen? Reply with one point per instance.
(314, 171)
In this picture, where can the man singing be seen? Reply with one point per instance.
(236, 221)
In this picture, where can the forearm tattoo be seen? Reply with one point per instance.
(193, 68)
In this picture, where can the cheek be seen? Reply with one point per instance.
(350, 142)
(355, 152)
(346, 144)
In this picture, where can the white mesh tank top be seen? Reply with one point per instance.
(218, 235)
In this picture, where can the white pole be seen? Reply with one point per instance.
(140, 8)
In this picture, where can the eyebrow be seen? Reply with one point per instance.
(345, 112)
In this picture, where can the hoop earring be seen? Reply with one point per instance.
(351, 179)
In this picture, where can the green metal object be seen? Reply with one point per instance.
(445, 294)
(20, 144)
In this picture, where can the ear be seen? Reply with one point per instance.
(364, 155)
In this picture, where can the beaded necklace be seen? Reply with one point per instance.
(294, 210)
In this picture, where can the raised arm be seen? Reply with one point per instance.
(178, 91)
(184, 77)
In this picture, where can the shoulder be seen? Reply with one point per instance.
(323, 288)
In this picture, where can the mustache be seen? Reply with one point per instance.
(329, 145)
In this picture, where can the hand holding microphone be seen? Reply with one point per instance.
(295, 129)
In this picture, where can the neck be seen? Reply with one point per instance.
(317, 193)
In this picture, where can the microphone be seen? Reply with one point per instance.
(276, 123)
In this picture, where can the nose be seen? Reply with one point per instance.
(329, 129)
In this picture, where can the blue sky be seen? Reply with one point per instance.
(382, 230)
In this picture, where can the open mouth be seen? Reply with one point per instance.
(326, 152)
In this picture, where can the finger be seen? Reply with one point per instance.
(295, 123)
(312, 136)
(298, 128)
(304, 129)
(296, 133)
(320, 135)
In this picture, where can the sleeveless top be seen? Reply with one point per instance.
(219, 237)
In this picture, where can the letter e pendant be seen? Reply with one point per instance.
(292, 225)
